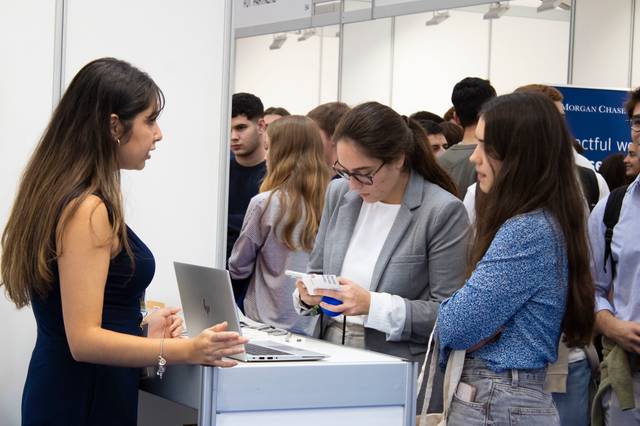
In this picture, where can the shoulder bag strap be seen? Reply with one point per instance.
(610, 219)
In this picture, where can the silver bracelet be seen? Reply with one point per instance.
(162, 362)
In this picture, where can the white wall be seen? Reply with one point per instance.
(329, 64)
(526, 50)
(425, 62)
(298, 76)
(366, 62)
(411, 66)
(602, 35)
(26, 87)
(429, 61)
(173, 203)
(635, 80)
(264, 72)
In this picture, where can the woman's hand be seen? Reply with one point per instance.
(164, 322)
(305, 296)
(355, 299)
(214, 343)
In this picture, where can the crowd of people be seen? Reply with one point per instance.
(485, 229)
(515, 281)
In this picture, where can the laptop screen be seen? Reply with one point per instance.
(207, 297)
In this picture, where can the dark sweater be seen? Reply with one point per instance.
(244, 183)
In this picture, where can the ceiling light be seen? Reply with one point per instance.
(307, 34)
(553, 4)
(278, 41)
(437, 18)
(496, 10)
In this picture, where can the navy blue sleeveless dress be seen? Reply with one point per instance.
(61, 391)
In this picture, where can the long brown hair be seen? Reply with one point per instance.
(297, 171)
(384, 134)
(75, 158)
(525, 132)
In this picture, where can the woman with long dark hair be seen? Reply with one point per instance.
(392, 230)
(529, 277)
(68, 252)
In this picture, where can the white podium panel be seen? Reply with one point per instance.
(372, 416)
(352, 387)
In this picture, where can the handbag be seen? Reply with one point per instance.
(452, 375)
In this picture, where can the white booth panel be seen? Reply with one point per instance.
(329, 65)
(381, 416)
(251, 13)
(366, 62)
(353, 5)
(602, 37)
(287, 77)
(26, 88)
(430, 60)
(635, 77)
(173, 204)
(528, 50)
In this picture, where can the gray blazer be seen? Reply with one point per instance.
(422, 260)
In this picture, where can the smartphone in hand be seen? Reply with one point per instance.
(315, 282)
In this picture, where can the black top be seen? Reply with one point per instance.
(62, 391)
(244, 183)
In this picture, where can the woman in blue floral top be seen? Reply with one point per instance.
(529, 274)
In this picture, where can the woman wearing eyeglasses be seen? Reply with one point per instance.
(392, 230)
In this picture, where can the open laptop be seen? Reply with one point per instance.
(207, 299)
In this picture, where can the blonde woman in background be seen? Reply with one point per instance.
(281, 223)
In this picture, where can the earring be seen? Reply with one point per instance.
(118, 141)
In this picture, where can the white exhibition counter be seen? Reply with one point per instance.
(352, 387)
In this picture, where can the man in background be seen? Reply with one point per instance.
(327, 117)
(271, 114)
(426, 115)
(467, 97)
(452, 132)
(617, 279)
(631, 160)
(435, 136)
(247, 168)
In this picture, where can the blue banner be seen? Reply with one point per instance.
(597, 120)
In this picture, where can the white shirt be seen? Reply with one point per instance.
(582, 161)
(370, 233)
(470, 202)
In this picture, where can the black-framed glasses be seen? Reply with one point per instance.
(363, 179)
(634, 123)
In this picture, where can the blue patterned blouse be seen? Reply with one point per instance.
(519, 286)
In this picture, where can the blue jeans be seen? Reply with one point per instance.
(511, 397)
(573, 406)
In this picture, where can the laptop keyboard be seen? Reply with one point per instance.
(252, 349)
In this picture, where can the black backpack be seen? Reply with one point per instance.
(610, 219)
(589, 183)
